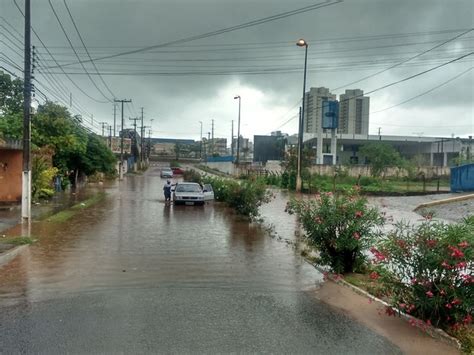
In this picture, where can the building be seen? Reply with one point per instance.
(313, 108)
(246, 148)
(353, 112)
(219, 146)
(11, 165)
(269, 148)
(429, 151)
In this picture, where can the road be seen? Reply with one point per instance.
(133, 275)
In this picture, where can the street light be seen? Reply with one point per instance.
(238, 130)
(301, 43)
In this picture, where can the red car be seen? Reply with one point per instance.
(177, 171)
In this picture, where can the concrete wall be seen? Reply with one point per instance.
(10, 175)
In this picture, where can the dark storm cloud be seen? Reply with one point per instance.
(184, 100)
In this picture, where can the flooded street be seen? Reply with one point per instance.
(132, 274)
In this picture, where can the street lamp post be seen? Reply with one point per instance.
(238, 130)
(301, 43)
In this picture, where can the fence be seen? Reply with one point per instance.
(462, 178)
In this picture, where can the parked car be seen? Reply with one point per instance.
(177, 171)
(166, 173)
(191, 193)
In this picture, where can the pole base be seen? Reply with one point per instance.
(299, 183)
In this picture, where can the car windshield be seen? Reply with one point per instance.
(188, 188)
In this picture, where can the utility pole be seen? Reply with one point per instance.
(103, 124)
(70, 100)
(26, 177)
(232, 140)
(200, 139)
(110, 137)
(142, 132)
(212, 142)
(380, 130)
(149, 143)
(121, 141)
(238, 130)
(115, 114)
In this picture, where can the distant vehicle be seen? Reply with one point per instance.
(177, 171)
(191, 193)
(166, 173)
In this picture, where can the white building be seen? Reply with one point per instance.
(353, 112)
(313, 108)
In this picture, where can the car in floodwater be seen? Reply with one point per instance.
(177, 171)
(191, 193)
(166, 173)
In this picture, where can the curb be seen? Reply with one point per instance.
(8, 256)
(444, 201)
(434, 332)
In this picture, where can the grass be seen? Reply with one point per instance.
(67, 214)
(17, 240)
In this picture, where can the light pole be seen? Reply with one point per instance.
(238, 130)
(301, 43)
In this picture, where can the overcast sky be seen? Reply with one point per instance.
(180, 85)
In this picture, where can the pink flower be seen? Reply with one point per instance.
(428, 322)
(431, 243)
(467, 319)
(359, 214)
(461, 265)
(379, 256)
(448, 305)
(442, 292)
(411, 308)
(456, 253)
(463, 244)
(374, 275)
(429, 294)
(402, 305)
(356, 235)
(456, 301)
(414, 281)
(401, 243)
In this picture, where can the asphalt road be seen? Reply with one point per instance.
(133, 275)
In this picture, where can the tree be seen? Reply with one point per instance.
(380, 156)
(11, 94)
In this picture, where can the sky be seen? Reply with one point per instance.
(181, 84)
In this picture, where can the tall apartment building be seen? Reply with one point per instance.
(354, 112)
(313, 108)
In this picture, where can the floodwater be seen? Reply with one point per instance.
(133, 274)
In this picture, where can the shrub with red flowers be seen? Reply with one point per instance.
(427, 271)
(340, 226)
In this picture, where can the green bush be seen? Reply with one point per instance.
(192, 176)
(340, 226)
(244, 196)
(427, 271)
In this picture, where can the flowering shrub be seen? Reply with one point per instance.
(427, 271)
(341, 227)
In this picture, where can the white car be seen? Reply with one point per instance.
(166, 173)
(191, 193)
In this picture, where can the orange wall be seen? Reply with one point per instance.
(10, 175)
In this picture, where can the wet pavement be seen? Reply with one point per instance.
(132, 274)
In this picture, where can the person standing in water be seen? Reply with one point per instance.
(167, 191)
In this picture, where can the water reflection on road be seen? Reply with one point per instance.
(134, 240)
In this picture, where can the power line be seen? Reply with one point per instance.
(220, 31)
(75, 52)
(54, 59)
(87, 51)
(404, 61)
(425, 92)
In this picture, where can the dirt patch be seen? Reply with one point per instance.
(409, 339)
